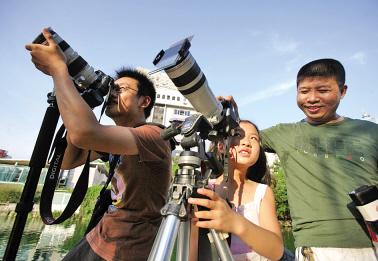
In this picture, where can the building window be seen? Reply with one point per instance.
(178, 98)
(163, 96)
(168, 97)
(181, 112)
(158, 95)
(173, 98)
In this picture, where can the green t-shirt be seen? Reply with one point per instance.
(322, 164)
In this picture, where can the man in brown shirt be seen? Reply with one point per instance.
(141, 180)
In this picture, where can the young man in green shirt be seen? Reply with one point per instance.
(325, 156)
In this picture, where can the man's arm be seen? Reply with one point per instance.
(85, 132)
(266, 143)
(74, 157)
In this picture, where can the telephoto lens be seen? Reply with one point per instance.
(187, 76)
(92, 84)
(80, 71)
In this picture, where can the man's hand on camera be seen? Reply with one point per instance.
(49, 59)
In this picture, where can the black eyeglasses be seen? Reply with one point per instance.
(121, 89)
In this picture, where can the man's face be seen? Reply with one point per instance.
(318, 98)
(123, 101)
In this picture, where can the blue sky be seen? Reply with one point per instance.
(250, 49)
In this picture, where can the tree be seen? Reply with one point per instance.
(4, 154)
(280, 193)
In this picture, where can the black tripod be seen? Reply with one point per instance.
(176, 213)
(36, 164)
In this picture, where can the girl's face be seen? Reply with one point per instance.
(245, 150)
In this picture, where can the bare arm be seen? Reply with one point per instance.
(74, 156)
(85, 132)
(266, 239)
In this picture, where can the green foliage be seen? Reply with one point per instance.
(80, 228)
(174, 165)
(280, 193)
(11, 193)
(86, 208)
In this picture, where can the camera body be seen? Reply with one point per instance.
(93, 84)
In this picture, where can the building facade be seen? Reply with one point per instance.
(16, 171)
(170, 104)
(367, 117)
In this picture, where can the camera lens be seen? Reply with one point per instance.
(81, 72)
(191, 82)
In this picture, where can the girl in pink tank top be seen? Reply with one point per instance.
(252, 221)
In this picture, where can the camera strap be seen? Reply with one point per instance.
(81, 187)
(51, 182)
(104, 198)
(52, 179)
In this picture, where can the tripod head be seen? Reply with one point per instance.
(196, 129)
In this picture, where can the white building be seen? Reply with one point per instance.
(170, 104)
(271, 158)
(16, 171)
(366, 116)
(97, 175)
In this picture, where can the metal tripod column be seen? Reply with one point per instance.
(182, 251)
(221, 245)
(165, 239)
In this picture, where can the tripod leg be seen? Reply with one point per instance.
(182, 251)
(165, 239)
(37, 162)
(221, 245)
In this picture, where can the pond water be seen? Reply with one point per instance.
(40, 242)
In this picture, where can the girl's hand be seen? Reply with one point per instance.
(219, 214)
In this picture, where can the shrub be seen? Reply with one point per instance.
(11, 192)
(86, 208)
(280, 193)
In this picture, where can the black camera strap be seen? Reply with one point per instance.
(51, 181)
(113, 162)
(104, 199)
(81, 187)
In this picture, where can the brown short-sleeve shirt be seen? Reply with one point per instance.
(140, 185)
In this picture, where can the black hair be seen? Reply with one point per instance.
(323, 68)
(259, 172)
(145, 85)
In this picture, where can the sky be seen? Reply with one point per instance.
(249, 49)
